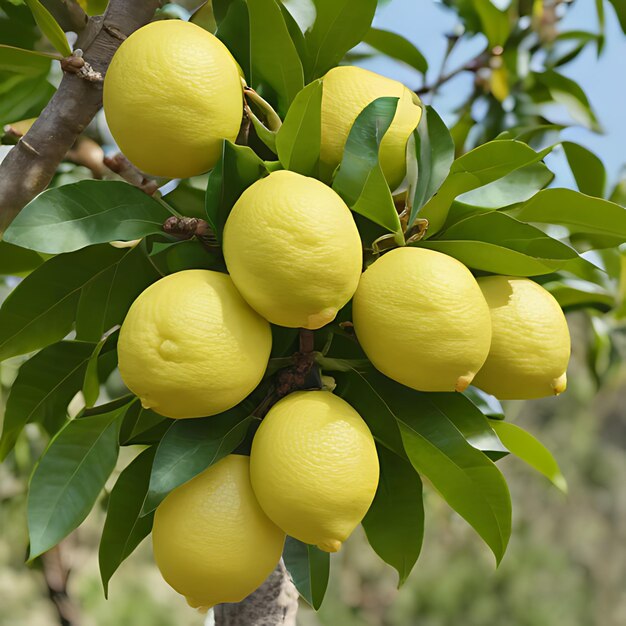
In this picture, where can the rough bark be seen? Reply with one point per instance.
(30, 165)
(274, 603)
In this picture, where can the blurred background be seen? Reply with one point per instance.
(566, 563)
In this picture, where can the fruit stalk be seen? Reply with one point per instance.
(31, 163)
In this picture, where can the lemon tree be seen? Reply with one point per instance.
(296, 294)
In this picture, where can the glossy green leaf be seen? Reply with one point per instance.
(434, 151)
(203, 17)
(469, 420)
(69, 478)
(397, 47)
(91, 381)
(190, 446)
(124, 528)
(49, 27)
(42, 308)
(470, 483)
(234, 31)
(587, 169)
(339, 26)
(238, 168)
(139, 425)
(184, 255)
(474, 169)
(297, 36)
(357, 390)
(487, 404)
(578, 212)
(394, 524)
(518, 186)
(495, 242)
(523, 445)
(24, 62)
(16, 260)
(299, 139)
(360, 180)
(568, 93)
(64, 219)
(274, 55)
(105, 300)
(309, 568)
(44, 386)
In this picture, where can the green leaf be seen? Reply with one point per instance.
(44, 386)
(273, 52)
(470, 483)
(360, 180)
(16, 260)
(568, 93)
(487, 404)
(203, 17)
(91, 381)
(124, 528)
(357, 390)
(587, 169)
(139, 424)
(572, 294)
(64, 219)
(434, 151)
(523, 445)
(42, 308)
(469, 420)
(397, 47)
(25, 99)
(234, 31)
(69, 478)
(496, 23)
(238, 168)
(104, 302)
(394, 524)
(578, 212)
(518, 186)
(620, 11)
(339, 26)
(299, 139)
(309, 568)
(494, 242)
(49, 27)
(190, 446)
(477, 168)
(24, 62)
(184, 255)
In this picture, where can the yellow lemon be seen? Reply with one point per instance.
(171, 94)
(293, 250)
(314, 467)
(530, 346)
(347, 90)
(422, 320)
(211, 540)
(190, 345)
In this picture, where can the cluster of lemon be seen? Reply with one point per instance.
(197, 342)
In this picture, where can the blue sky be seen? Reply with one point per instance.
(425, 22)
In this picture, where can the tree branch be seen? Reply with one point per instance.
(31, 163)
(274, 603)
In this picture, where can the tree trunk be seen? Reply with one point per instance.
(274, 603)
